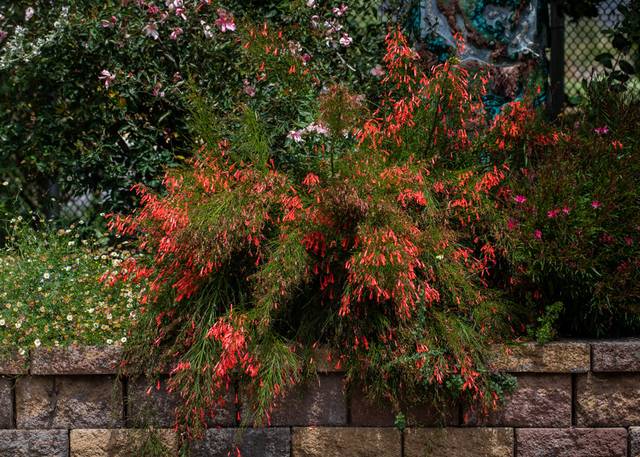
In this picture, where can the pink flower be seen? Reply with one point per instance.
(106, 77)
(225, 21)
(553, 213)
(28, 13)
(596, 204)
(176, 33)
(520, 199)
(340, 10)
(296, 135)
(628, 240)
(108, 23)
(537, 234)
(153, 9)
(151, 30)
(346, 40)
(157, 90)
(377, 71)
(248, 88)
(566, 210)
(601, 130)
(306, 58)
(512, 224)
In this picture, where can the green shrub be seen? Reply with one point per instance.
(94, 95)
(574, 221)
(380, 250)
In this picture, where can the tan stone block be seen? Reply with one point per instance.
(458, 442)
(122, 442)
(616, 356)
(6, 403)
(76, 360)
(11, 363)
(559, 357)
(320, 401)
(540, 400)
(150, 406)
(366, 412)
(608, 400)
(346, 442)
(68, 402)
(571, 442)
(34, 443)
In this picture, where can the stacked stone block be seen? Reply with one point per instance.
(574, 399)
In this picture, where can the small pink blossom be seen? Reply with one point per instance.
(157, 92)
(628, 240)
(306, 58)
(377, 71)
(151, 30)
(553, 213)
(596, 204)
(512, 224)
(296, 135)
(601, 130)
(225, 21)
(175, 33)
(107, 78)
(181, 13)
(340, 10)
(520, 199)
(153, 9)
(346, 40)
(28, 13)
(108, 23)
(537, 234)
(566, 210)
(248, 88)
(311, 3)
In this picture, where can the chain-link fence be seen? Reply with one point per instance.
(585, 39)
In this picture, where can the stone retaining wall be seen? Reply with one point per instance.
(574, 399)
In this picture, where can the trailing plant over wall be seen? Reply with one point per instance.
(381, 251)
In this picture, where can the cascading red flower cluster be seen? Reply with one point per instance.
(391, 245)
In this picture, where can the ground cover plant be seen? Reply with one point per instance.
(50, 293)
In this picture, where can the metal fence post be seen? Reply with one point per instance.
(556, 69)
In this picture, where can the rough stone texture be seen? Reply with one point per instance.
(608, 400)
(368, 413)
(616, 356)
(254, 442)
(120, 443)
(6, 403)
(571, 442)
(13, 364)
(560, 357)
(68, 402)
(346, 442)
(542, 400)
(75, 360)
(156, 407)
(34, 443)
(321, 401)
(458, 442)
(634, 441)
